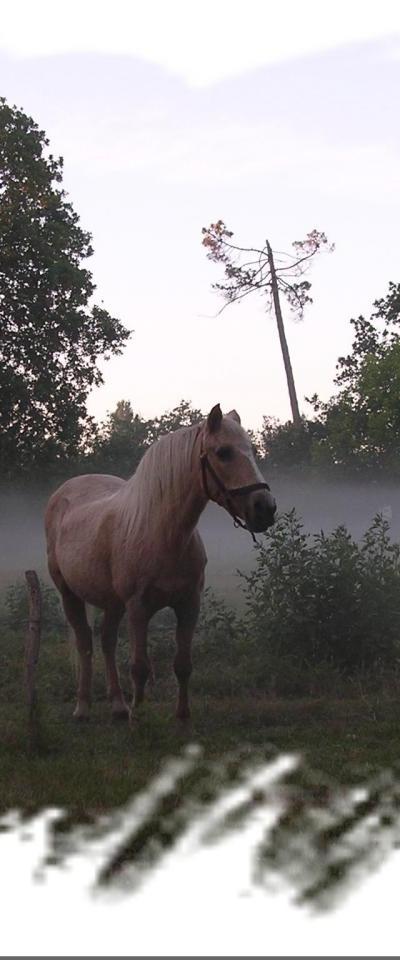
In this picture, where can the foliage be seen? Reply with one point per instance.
(51, 338)
(361, 424)
(288, 445)
(183, 415)
(120, 441)
(124, 437)
(324, 600)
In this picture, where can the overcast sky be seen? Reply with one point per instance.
(278, 118)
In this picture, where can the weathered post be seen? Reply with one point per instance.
(32, 645)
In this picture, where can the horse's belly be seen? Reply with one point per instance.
(86, 573)
(91, 584)
(171, 587)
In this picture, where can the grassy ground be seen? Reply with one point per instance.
(93, 767)
(88, 768)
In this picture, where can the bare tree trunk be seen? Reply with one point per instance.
(32, 646)
(283, 342)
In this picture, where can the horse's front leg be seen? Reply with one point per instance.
(138, 622)
(109, 639)
(187, 612)
(75, 612)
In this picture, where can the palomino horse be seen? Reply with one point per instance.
(134, 545)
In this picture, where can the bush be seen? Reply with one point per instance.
(324, 599)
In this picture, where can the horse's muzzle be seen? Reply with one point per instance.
(260, 511)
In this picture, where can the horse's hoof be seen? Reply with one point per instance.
(120, 712)
(135, 714)
(183, 716)
(81, 712)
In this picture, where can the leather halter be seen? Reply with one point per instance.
(228, 493)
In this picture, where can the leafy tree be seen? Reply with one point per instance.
(51, 339)
(361, 424)
(183, 415)
(124, 437)
(121, 441)
(251, 269)
(287, 444)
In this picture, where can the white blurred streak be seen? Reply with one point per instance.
(200, 900)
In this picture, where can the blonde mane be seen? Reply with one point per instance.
(159, 485)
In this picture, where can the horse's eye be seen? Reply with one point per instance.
(224, 453)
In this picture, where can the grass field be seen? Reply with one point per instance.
(93, 767)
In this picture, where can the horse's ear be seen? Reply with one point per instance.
(214, 418)
(233, 414)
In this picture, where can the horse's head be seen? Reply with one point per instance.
(230, 474)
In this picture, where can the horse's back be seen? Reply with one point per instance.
(85, 488)
(80, 491)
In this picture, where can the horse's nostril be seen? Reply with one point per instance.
(262, 507)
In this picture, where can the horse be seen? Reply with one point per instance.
(133, 545)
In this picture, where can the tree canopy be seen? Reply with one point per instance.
(51, 335)
(119, 443)
(361, 423)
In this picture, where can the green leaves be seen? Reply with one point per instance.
(119, 443)
(183, 415)
(362, 423)
(51, 339)
(326, 598)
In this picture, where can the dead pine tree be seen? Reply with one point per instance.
(251, 269)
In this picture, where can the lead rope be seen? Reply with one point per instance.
(238, 523)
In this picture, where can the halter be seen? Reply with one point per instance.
(227, 494)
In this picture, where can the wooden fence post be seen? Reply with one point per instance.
(32, 645)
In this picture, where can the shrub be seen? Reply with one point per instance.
(325, 599)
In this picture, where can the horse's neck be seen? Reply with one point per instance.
(184, 517)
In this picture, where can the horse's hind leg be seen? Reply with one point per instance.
(75, 613)
(109, 639)
(187, 612)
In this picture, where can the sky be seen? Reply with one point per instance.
(277, 118)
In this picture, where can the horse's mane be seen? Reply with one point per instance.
(159, 484)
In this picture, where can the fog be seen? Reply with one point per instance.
(321, 506)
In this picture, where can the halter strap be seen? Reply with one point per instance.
(228, 493)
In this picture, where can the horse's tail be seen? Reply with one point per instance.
(55, 510)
